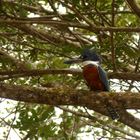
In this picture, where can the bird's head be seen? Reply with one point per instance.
(86, 57)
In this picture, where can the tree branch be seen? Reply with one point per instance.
(124, 76)
(46, 36)
(19, 64)
(93, 119)
(34, 72)
(91, 100)
(71, 24)
(135, 8)
(26, 7)
(113, 48)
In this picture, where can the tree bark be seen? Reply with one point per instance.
(68, 96)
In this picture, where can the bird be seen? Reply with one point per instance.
(94, 75)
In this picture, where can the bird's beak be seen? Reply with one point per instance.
(74, 60)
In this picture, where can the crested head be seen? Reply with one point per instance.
(90, 55)
(87, 55)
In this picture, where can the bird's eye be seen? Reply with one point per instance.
(84, 57)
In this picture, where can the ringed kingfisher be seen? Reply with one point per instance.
(94, 75)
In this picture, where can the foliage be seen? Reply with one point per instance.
(40, 34)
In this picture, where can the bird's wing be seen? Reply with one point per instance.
(103, 78)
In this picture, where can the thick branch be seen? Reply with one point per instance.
(135, 8)
(91, 100)
(16, 74)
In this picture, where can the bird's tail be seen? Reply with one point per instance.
(112, 112)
